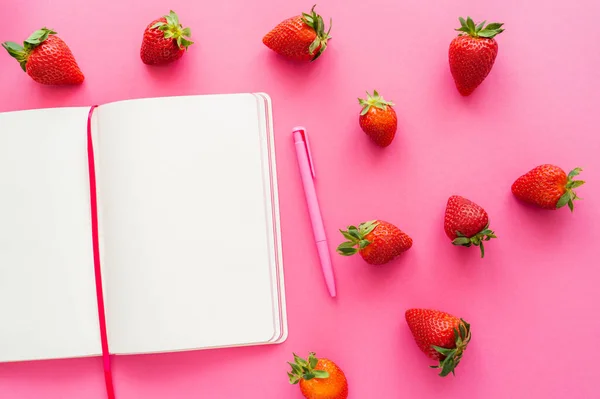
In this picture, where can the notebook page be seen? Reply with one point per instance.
(47, 289)
(186, 260)
(272, 203)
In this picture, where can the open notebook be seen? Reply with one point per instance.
(188, 228)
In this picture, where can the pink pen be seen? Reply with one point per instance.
(307, 171)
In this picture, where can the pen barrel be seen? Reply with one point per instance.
(310, 192)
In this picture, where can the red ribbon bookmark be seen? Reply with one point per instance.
(95, 241)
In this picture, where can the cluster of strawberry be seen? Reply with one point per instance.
(465, 223)
(441, 336)
(48, 60)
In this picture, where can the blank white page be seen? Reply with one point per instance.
(47, 290)
(186, 250)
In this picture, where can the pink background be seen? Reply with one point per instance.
(533, 302)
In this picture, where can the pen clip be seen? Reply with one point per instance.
(304, 135)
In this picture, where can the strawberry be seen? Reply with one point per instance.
(318, 378)
(548, 187)
(46, 58)
(299, 38)
(165, 40)
(440, 336)
(378, 242)
(472, 54)
(466, 223)
(378, 119)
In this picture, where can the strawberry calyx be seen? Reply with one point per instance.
(374, 100)
(569, 196)
(21, 53)
(451, 356)
(315, 22)
(480, 30)
(484, 235)
(356, 238)
(304, 369)
(172, 29)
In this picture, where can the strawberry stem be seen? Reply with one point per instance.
(569, 196)
(480, 30)
(315, 21)
(356, 238)
(172, 29)
(374, 100)
(21, 53)
(484, 235)
(451, 357)
(303, 369)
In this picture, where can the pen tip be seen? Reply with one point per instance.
(298, 129)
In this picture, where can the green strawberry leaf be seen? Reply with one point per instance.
(482, 249)
(494, 26)
(576, 183)
(295, 368)
(367, 227)
(320, 373)
(309, 375)
(470, 24)
(365, 110)
(563, 200)
(363, 243)
(353, 232)
(443, 351)
(461, 241)
(447, 366)
(346, 251)
(314, 45)
(294, 379)
(38, 37)
(574, 173)
(17, 52)
(463, 330)
(486, 34)
(13, 48)
(347, 235)
(174, 17)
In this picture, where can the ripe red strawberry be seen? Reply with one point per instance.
(165, 40)
(378, 242)
(466, 223)
(378, 119)
(319, 378)
(472, 54)
(440, 336)
(46, 58)
(548, 187)
(300, 38)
